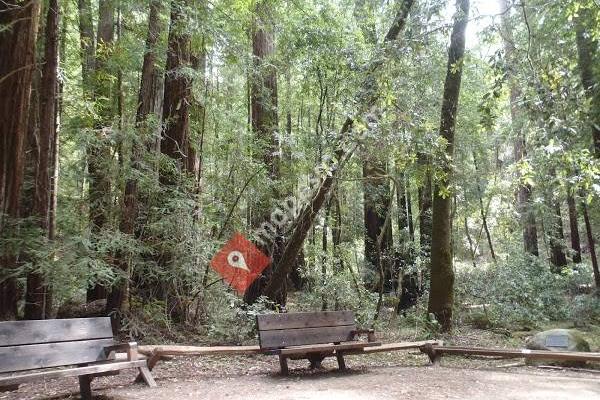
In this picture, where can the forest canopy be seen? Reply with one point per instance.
(406, 157)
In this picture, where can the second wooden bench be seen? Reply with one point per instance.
(313, 336)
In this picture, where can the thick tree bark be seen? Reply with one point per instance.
(587, 48)
(149, 103)
(88, 44)
(98, 152)
(441, 295)
(524, 191)
(177, 93)
(37, 295)
(264, 122)
(17, 47)
(175, 135)
(307, 215)
(574, 229)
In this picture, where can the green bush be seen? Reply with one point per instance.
(522, 291)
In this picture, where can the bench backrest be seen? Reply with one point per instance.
(26, 345)
(296, 329)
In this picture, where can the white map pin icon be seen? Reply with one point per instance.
(236, 260)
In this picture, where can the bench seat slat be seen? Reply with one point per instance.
(76, 371)
(21, 358)
(306, 336)
(267, 322)
(14, 333)
(317, 348)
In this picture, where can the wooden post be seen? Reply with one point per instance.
(340, 359)
(284, 365)
(147, 376)
(85, 387)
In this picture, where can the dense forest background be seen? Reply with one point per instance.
(414, 158)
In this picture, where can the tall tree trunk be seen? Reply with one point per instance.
(176, 120)
(37, 294)
(483, 212)
(574, 229)
(425, 203)
(376, 188)
(587, 48)
(441, 296)
(376, 192)
(17, 47)
(87, 42)
(524, 191)
(591, 244)
(408, 283)
(264, 122)
(558, 256)
(98, 151)
(148, 104)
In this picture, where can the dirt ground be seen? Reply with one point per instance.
(394, 376)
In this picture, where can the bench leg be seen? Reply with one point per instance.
(284, 365)
(147, 376)
(340, 359)
(433, 355)
(315, 360)
(85, 387)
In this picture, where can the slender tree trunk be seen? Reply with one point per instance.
(574, 229)
(376, 193)
(471, 247)
(17, 47)
(407, 283)
(441, 296)
(37, 294)
(524, 191)
(483, 212)
(591, 244)
(558, 256)
(587, 48)
(425, 204)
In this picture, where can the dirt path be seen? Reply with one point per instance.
(377, 383)
(370, 378)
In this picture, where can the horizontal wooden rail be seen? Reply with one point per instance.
(435, 352)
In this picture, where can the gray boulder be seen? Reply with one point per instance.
(558, 340)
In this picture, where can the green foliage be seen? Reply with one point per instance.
(520, 292)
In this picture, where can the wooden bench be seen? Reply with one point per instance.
(83, 347)
(312, 335)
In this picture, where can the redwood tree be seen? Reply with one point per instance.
(37, 298)
(149, 102)
(19, 22)
(441, 295)
(264, 120)
(524, 191)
